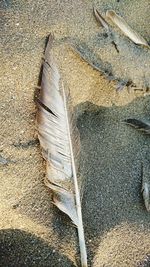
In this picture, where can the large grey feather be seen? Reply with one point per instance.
(60, 142)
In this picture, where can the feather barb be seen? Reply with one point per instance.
(60, 142)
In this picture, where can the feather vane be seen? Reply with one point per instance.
(126, 29)
(60, 143)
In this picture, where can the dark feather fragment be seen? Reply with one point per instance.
(140, 125)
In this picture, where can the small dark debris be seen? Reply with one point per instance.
(105, 35)
(115, 45)
(30, 143)
(15, 206)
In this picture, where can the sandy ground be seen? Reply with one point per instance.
(33, 232)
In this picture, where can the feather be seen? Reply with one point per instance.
(145, 127)
(125, 28)
(140, 125)
(60, 143)
(146, 183)
(101, 19)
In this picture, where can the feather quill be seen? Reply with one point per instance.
(60, 143)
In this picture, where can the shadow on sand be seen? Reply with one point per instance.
(19, 248)
(111, 157)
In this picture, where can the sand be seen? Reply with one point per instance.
(33, 232)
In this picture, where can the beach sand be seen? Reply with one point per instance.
(117, 226)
